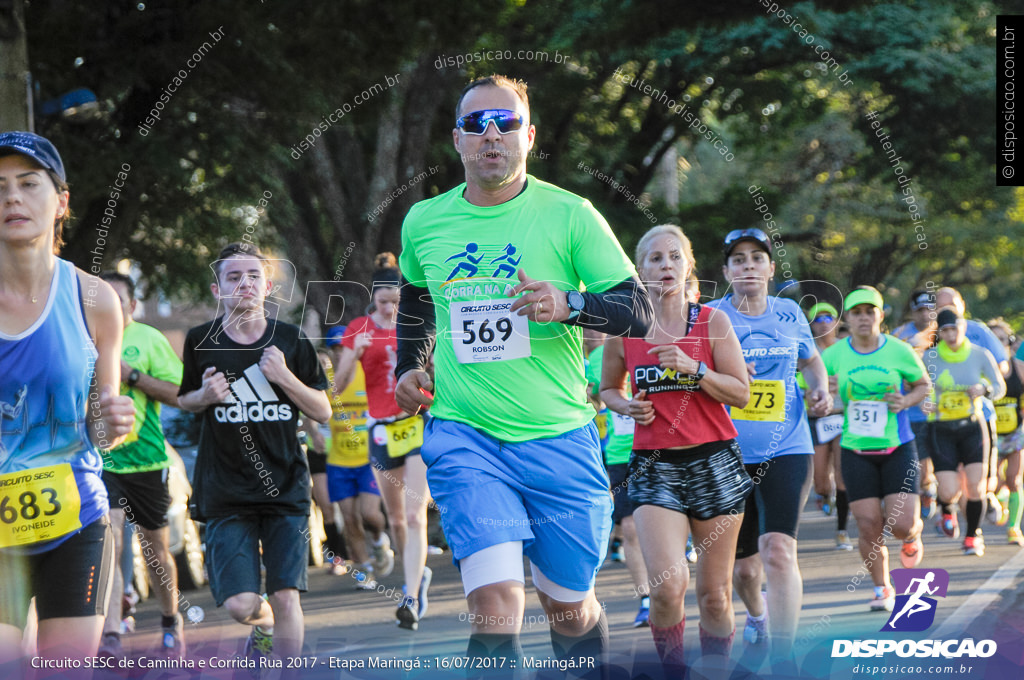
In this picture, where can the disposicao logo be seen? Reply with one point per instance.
(914, 612)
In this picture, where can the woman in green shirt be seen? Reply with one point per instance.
(879, 459)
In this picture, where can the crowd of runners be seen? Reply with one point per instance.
(513, 367)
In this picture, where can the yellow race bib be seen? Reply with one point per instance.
(601, 420)
(1007, 415)
(350, 442)
(404, 436)
(954, 405)
(38, 505)
(767, 402)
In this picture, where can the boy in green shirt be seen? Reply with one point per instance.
(135, 473)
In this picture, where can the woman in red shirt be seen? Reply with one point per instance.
(686, 471)
(395, 436)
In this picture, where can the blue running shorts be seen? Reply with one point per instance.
(346, 482)
(551, 494)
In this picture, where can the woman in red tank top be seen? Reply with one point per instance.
(686, 470)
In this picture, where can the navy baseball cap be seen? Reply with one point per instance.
(754, 235)
(334, 334)
(35, 147)
(947, 317)
(922, 299)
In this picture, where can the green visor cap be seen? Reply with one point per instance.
(863, 296)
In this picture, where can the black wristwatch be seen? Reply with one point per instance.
(702, 368)
(576, 302)
(133, 377)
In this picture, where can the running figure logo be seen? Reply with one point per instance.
(474, 257)
(508, 266)
(914, 610)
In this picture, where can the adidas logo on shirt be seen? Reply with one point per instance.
(254, 401)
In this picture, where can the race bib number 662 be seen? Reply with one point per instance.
(487, 331)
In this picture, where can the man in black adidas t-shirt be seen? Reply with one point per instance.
(250, 376)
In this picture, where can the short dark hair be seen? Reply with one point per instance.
(495, 80)
(237, 248)
(112, 276)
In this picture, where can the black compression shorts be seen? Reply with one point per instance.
(71, 580)
(880, 475)
(781, 485)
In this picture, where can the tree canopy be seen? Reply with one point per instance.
(338, 117)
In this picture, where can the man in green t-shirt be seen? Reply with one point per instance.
(494, 271)
(135, 473)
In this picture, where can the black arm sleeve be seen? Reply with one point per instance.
(417, 328)
(624, 310)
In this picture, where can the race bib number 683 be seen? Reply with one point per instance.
(38, 505)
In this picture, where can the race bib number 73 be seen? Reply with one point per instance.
(38, 505)
(487, 331)
(767, 402)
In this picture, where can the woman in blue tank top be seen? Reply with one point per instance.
(60, 348)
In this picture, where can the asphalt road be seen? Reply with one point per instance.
(346, 627)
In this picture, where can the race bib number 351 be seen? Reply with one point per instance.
(38, 505)
(868, 418)
(487, 331)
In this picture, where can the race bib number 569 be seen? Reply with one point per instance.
(487, 331)
(38, 505)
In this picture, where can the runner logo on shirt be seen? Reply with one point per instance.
(496, 262)
(254, 401)
(656, 378)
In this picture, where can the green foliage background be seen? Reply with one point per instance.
(228, 134)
